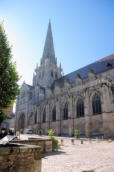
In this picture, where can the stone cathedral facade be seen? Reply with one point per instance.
(83, 99)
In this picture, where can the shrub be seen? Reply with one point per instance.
(21, 131)
(76, 133)
(50, 132)
(39, 132)
(55, 144)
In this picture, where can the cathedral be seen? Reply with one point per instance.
(83, 99)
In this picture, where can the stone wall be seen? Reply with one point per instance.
(108, 125)
(97, 125)
(20, 158)
(79, 124)
(45, 144)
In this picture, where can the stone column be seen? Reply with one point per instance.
(88, 126)
(88, 123)
(108, 117)
(26, 118)
(38, 118)
(58, 118)
(47, 117)
(106, 99)
(70, 116)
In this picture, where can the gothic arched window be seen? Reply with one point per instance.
(54, 114)
(42, 74)
(112, 89)
(65, 112)
(35, 117)
(51, 73)
(44, 116)
(96, 104)
(80, 108)
(21, 121)
(56, 75)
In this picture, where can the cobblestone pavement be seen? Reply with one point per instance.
(97, 155)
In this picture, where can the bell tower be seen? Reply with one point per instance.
(47, 72)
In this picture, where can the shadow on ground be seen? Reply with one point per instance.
(53, 153)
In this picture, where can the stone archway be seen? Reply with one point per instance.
(21, 122)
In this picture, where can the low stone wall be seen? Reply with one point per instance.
(20, 158)
(44, 143)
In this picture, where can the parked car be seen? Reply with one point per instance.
(28, 131)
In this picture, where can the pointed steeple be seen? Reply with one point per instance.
(49, 47)
(48, 71)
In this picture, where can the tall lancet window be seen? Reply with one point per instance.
(65, 112)
(35, 117)
(54, 114)
(44, 116)
(52, 73)
(96, 104)
(80, 108)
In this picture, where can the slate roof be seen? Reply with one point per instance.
(97, 67)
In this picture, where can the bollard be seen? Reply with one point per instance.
(82, 141)
(97, 140)
(90, 140)
(72, 140)
(62, 142)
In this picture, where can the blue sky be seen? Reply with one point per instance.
(83, 31)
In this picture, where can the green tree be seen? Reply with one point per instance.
(9, 88)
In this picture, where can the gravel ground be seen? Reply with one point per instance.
(97, 155)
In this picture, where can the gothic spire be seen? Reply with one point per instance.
(49, 47)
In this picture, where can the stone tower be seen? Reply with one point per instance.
(47, 72)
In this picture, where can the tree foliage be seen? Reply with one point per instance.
(50, 132)
(9, 88)
(76, 133)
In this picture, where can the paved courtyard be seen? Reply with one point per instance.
(97, 155)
